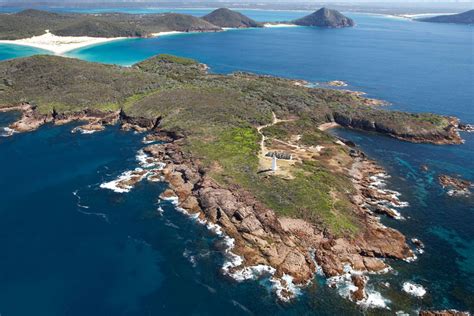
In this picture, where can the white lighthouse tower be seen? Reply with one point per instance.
(274, 163)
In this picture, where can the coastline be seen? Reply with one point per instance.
(259, 241)
(299, 250)
(60, 45)
(248, 224)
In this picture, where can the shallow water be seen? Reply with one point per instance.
(119, 257)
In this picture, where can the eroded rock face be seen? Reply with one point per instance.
(261, 238)
(448, 312)
(359, 294)
(32, 119)
(447, 135)
(96, 119)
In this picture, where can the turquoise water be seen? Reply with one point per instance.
(118, 257)
(15, 51)
(393, 59)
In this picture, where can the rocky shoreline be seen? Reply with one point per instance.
(289, 251)
(31, 120)
(449, 135)
(95, 120)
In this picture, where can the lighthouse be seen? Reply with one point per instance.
(274, 163)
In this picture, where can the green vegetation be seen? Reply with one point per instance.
(316, 194)
(218, 116)
(234, 150)
(167, 58)
(224, 17)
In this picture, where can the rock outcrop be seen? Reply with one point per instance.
(455, 186)
(448, 134)
(447, 312)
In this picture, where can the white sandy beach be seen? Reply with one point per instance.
(63, 44)
(166, 33)
(280, 25)
(422, 15)
(59, 44)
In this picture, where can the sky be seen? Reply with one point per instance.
(238, 1)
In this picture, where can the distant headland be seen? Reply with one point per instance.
(63, 32)
(461, 18)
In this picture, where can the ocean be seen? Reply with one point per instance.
(72, 248)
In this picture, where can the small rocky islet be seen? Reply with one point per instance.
(319, 209)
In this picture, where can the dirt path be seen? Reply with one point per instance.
(265, 162)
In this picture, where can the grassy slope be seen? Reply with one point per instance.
(217, 114)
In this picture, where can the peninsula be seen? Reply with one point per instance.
(460, 18)
(218, 135)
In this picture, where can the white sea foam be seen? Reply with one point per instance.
(414, 289)
(118, 185)
(378, 183)
(80, 207)
(6, 132)
(374, 300)
(411, 259)
(174, 200)
(170, 224)
(191, 258)
(82, 131)
(233, 261)
(345, 287)
(285, 288)
(146, 142)
(253, 272)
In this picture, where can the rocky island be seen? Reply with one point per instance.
(460, 18)
(325, 17)
(318, 211)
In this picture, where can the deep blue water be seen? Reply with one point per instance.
(129, 261)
